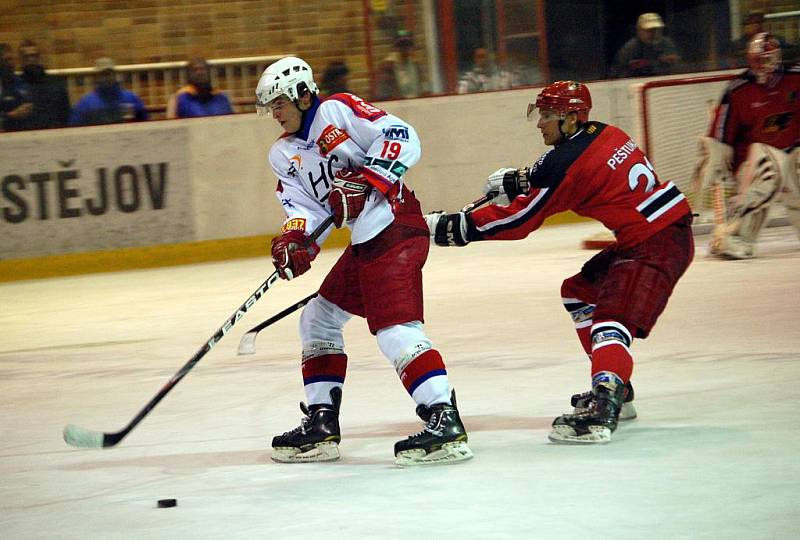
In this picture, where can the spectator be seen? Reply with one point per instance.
(399, 75)
(484, 75)
(49, 95)
(109, 103)
(334, 79)
(753, 24)
(198, 98)
(649, 52)
(15, 105)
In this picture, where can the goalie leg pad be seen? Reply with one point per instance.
(714, 171)
(760, 179)
(791, 195)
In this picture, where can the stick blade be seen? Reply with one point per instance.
(82, 438)
(247, 345)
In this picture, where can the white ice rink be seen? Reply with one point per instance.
(713, 454)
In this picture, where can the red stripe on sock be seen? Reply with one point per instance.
(423, 364)
(328, 365)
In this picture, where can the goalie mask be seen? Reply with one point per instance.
(764, 57)
(290, 77)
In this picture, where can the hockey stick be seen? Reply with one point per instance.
(86, 438)
(247, 345)
(480, 202)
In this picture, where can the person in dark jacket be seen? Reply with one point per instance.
(15, 99)
(49, 95)
(199, 97)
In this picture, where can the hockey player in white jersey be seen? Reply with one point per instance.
(345, 158)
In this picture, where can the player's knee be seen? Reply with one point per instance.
(322, 322)
(577, 295)
(402, 343)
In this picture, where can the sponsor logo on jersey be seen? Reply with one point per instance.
(294, 224)
(777, 122)
(539, 161)
(295, 162)
(330, 138)
(396, 133)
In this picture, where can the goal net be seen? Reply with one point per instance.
(671, 115)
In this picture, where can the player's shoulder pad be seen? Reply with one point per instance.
(358, 107)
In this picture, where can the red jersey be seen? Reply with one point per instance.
(600, 173)
(759, 113)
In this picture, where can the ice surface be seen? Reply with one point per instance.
(712, 455)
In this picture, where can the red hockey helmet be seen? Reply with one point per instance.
(564, 97)
(763, 56)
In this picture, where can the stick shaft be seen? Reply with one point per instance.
(111, 439)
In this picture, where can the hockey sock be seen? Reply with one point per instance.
(321, 374)
(425, 379)
(573, 293)
(610, 349)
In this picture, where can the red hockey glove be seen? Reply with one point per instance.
(348, 196)
(291, 255)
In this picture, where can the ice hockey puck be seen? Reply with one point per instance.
(167, 503)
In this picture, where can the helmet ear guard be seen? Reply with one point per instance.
(290, 77)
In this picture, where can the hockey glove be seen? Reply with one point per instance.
(508, 181)
(292, 254)
(348, 196)
(448, 229)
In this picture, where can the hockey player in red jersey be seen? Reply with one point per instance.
(749, 158)
(598, 171)
(345, 158)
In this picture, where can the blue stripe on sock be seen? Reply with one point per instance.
(324, 378)
(423, 378)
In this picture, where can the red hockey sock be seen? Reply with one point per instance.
(610, 342)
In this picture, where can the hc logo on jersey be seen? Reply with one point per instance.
(396, 133)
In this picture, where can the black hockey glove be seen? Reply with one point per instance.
(448, 229)
(512, 182)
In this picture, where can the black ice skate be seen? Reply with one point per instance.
(583, 402)
(596, 424)
(316, 438)
(443, 440)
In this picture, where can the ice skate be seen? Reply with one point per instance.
(597, 423)
(315, 439)
(444, 439)
(583, 402)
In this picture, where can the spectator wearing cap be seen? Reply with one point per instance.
(649, 52)
(108, 103)
(753, 24)
(399, 75)
(198, 97)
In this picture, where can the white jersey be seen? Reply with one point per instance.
(342, 132)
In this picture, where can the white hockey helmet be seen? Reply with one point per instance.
(289, 77)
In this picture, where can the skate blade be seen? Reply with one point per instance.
(567, 435)
(449, 453)
(324, 451)
(627, 412)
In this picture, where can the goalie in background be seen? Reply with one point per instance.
(595, 170)
(750, 157)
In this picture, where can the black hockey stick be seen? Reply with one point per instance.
(480, 202)
(86, 438)
(247, 345)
